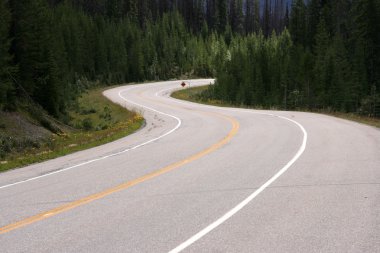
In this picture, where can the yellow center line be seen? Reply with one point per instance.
(123, 186)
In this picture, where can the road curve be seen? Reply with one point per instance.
(199, 178)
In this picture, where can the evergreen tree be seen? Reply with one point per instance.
(249, 16)
(30, 45)
(329, 58)
(6, 85)
(222, 15)
(237, 16)
(266, 18)
(286, 18)
(321, 67)
(313, 17)
(297, 22)
(367, 52)
(256, 22)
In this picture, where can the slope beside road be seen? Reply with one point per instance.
(202, 179)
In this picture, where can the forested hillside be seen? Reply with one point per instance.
(316, 54)
(328, 58)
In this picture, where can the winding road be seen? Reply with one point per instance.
(200, 178)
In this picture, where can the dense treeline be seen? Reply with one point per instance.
(49, 49)
(323, 54)
(242, 16)
(328, 60)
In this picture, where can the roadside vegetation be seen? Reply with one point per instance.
(307, 55)
(290, 55)
(200, 95)
(92, 120)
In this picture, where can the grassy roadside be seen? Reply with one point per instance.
(95, 121)
(193, 95)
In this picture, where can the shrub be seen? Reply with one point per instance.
(87, 111)
(87, 124)
(106, 113)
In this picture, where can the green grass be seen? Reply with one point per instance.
(96, 120)
(189, 94)
(355, 117)
(193, 95)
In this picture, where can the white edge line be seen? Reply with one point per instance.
(253, 195)
(226, 216)
(179, 122)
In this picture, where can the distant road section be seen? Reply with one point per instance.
(200, 178)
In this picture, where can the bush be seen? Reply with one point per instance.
(87, 124)
(106, 114)
(5, 146)
(87, 111)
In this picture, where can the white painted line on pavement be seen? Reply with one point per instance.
(253, 195)
(179, 122)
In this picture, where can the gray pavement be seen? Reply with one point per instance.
(327, 201)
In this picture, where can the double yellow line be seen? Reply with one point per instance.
(126, 185)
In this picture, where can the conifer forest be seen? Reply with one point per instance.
(307, 55)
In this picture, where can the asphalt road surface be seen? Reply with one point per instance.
(199, 178)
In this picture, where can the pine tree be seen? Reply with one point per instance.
(211, 15)
(237, 16)
(297, 22)
(286, 18)
(198, 15)
(284, 52)
(256, 22)
(322, 65)
(346, 94)
(249, 16)
(222, 15)
(30, 45)
(266, 19)
(133, 11)
(100, 57)
(114, 9)
(6, 86)
(367, 52)
(314, 12)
